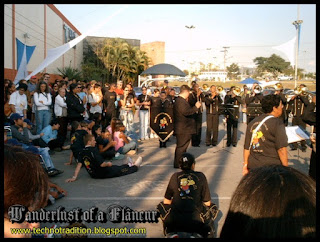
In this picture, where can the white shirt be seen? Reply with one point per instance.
(45, 97)
(94, 98)
(19, 101)
(60, 102)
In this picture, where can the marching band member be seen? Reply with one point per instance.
(298, 102)
(212, 101)
(196, 95)
(279, 91)
(254, 97)
(234, 98)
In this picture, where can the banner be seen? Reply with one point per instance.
(24, 53)
(55, 53)
(288, 49)
(161, 121)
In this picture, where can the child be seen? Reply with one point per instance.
(124, 144)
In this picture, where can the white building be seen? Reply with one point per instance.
(43, 26)
(213, 75)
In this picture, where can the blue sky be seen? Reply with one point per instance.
(249, 29)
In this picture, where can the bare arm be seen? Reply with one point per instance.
(167, 201)
(76, 173)
(246, 154)
(283, 155)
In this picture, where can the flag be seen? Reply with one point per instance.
(24, 53)
(55, 53)
(288, 49)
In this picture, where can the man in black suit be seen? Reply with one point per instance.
(184, 123)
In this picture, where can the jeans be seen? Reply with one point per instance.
(130, 146)
(144, 124)
(43, 118)
(46, 157)
(127, 119)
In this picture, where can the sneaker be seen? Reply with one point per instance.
(131, 152)
(129, 161)
(138, 161)
(53, 172)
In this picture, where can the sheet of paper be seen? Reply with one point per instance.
(295, 134)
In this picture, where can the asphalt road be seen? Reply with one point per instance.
(144, 189)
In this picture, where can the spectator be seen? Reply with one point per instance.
(7, 108)
(95, 100)
(291, 213)
(126, 112)
(60, 110)
(143, 102)
(91, 159)
(77, 143)
(155, 105)
(75, 105)
(50, 138)
(43, 152)
(32, 86)
(55, 192)
(109, 107)
(35, 139)
(30, 191)
(18, 100)
(186, 200)
(266, 140)
(105, 143)
(124, 144)
(42, 101)
(83, 94)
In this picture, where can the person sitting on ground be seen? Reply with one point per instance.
(272, 202)
(104, 142)
(29, 190)
(55, 192)
(124, 144)
(35, 139)
(187, 202)
(95, 165)
(77, 143)
(51, 139)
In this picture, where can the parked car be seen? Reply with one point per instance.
(285, 78)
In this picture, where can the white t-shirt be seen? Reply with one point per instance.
(94, 98)
(19, 101)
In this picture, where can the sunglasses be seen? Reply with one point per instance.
(126, 90)
(79, 87)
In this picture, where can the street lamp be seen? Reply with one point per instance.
(297, 24)
(190, 28)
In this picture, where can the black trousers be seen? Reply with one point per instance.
(232, 131)
(106, 120)
(297, 120)
(183, 141)
(212, 129)
(196, 138)
(116, 171)
(70, 120)
(52, 144)
(109, 153)
(62, 131)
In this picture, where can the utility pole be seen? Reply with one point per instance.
(190, 43)
(224, 58)
(297, 24)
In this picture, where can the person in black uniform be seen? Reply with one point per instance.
(155, 106)
(279, 91)
(255, 97)
(234, 98)
(196, 95)
(212, 101)
(108, 101)
(299, 102)
(184, 124)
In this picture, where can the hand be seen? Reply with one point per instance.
(71, 179)
(198, 104)
(41, 134)
(245, 170)
(113, 143)
(24, 125)
(41, 101)
(68, 163)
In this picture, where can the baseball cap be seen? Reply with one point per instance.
(28, 121)
(15, 116)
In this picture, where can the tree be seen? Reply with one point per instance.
(233, 71)
(71, 73)
(274, 64)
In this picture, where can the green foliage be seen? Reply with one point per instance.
(233, 71)
(273, 64)
(71, 73)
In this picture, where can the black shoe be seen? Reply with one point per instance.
(303, 149)
(215, 144)
(293, 148)
(234, 145)
(228, 144)
(53, 172)
(207, 144)
(164, 145)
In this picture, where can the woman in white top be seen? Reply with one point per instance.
(18, 100)
(60, 110)
(42, 100)
(95, 100)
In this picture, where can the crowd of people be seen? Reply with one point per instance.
(38, 117)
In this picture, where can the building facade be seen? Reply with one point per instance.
(155, 51)
(43, 26)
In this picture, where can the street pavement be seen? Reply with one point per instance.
(144, 189)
